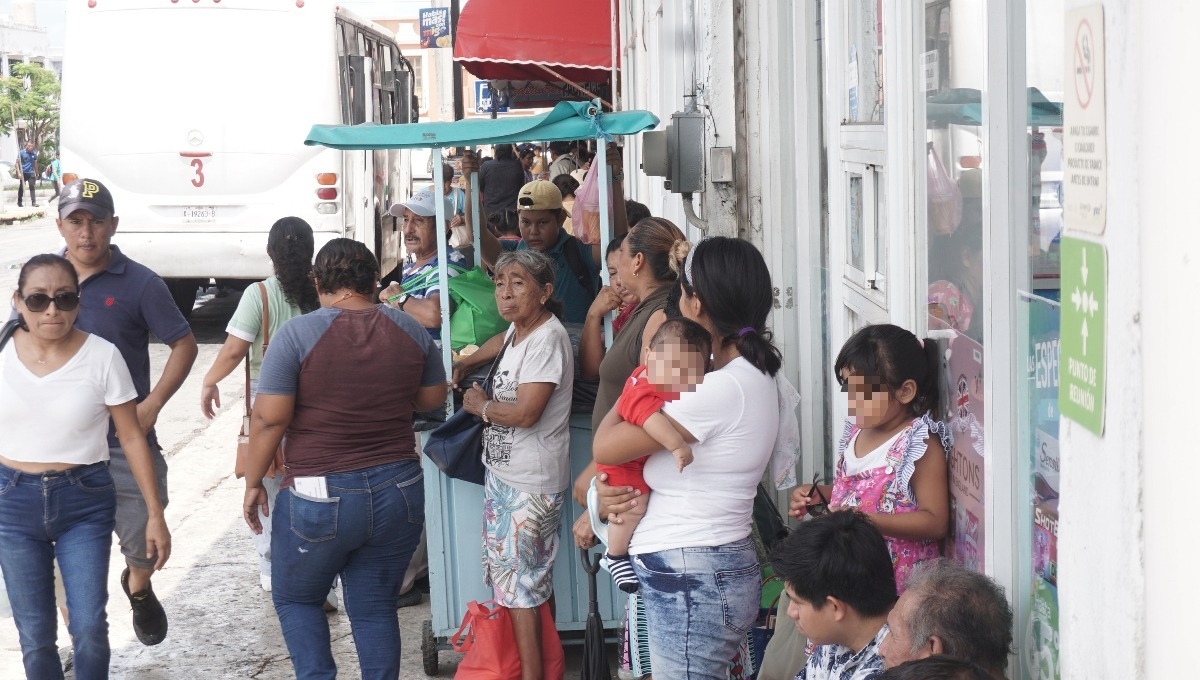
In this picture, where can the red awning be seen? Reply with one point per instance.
(509, 39)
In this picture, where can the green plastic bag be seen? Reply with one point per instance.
(475, 319)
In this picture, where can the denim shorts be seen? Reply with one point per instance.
(700, 603)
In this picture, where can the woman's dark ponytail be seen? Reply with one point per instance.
(757, 348)
(290, 245)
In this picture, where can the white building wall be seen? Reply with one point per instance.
(1170, 371)
(1103, 559)
(666, 48)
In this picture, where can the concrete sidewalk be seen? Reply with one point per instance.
(10, 213)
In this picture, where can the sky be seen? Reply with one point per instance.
(51, 15)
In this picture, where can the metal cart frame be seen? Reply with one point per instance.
(453, 519)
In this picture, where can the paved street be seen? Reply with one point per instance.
(222, 623)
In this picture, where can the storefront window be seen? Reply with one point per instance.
(864, 63)
(1037, 296)
(952, 63)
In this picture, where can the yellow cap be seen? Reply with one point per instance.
(539, 195)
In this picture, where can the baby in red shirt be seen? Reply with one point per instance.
(679, 355)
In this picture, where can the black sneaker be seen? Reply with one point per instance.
(410, 599)
(149, 619)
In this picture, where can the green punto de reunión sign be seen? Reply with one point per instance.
(1083, 342)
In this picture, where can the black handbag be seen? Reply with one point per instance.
(456, 446)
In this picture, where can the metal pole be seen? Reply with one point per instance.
(613, 39)
(443, 269)
(478, 218)
(459, 106)
(606, 227)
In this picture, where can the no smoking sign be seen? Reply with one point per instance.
(1085, 129)
(1085, 69)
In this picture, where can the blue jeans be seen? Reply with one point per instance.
(700, 603)
(366, 531)
(68, 516)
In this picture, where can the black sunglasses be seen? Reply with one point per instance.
(66, 302)
(817, 509)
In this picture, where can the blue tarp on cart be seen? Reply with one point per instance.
(566, 121)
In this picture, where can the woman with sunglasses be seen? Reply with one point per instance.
(891, 462)
(58, 388)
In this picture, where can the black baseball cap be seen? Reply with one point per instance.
(86, 194)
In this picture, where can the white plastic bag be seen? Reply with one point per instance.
(945, 198)
(585, 221)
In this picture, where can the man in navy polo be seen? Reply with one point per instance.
(124, 302)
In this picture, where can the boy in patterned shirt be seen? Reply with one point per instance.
(838, 574)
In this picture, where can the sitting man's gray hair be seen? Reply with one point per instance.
(966, 610)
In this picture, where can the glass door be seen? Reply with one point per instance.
(1037, 297)
(951, 62)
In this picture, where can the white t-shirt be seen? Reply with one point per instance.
(534, 459)
(62, 417)
(734, 416)
(874, 459)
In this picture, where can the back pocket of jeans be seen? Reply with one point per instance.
(313, 519)
(740, 597)
(413, 491)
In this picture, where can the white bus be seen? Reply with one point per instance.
(194, 114)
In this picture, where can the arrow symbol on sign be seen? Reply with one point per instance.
(1083, 268)
(1076, 299)
(1084, 332)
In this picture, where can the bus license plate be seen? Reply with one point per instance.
(200, 213)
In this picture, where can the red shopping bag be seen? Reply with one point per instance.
(486, 636)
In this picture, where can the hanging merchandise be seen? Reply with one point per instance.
(945, 198)
(587, 202)
(475, 319)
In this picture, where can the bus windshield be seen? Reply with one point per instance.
(202, 78)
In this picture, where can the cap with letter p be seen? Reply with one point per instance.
(539, 195)
(89, 195)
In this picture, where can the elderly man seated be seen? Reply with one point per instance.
(953, 611)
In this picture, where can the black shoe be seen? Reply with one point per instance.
(409, 599)
(149, 619)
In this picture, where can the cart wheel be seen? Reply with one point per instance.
(429, 652)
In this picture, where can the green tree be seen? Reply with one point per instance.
(31, 96)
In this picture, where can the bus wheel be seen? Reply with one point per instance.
(183, 292)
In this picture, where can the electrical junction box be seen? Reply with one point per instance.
(685, 152)
(720, 164)
(654, 153)
(677, 153)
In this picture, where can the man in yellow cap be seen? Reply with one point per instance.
(540, 218)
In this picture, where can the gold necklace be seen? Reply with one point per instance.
(347, 296)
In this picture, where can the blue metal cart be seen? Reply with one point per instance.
(454, 509)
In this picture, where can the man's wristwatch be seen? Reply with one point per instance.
(483, 412)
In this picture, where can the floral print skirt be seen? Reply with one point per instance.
(520, 542)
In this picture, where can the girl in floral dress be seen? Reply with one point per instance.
(891, 462)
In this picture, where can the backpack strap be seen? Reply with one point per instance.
(579, 268)
(266, 317)
(7, 331)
